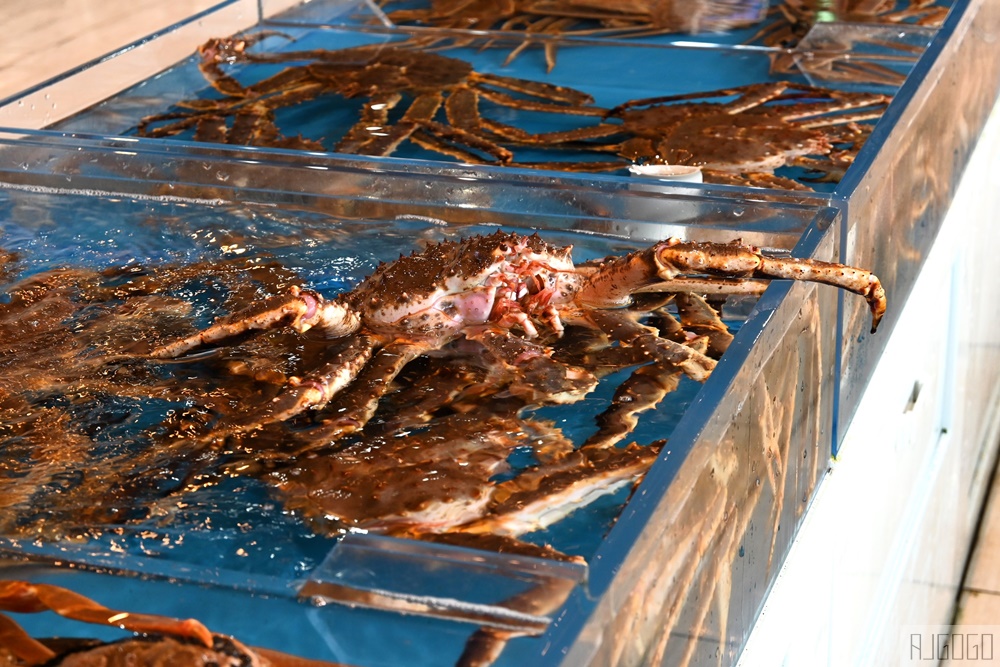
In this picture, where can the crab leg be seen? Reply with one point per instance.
(25, 597)
(355, 407)
(643, 391)
(316, 389)
(858, 281)
(622, 327)
(432, 138)
(503, 99)
(649, 384)
(485, 645)
(543, 380)
(541, 496)
(184, 120)
(746, 97)
(212, 129)
(441, 134)
(613, 282)
(537, 89)
(301, 309)
(698, 317)
(387, 139)
(439, 387)
(375, 113)
(592, 349)
(28, 650)
(707, 285)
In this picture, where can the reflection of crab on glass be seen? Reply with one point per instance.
(790, 20)
(575, 18)
(855, 41)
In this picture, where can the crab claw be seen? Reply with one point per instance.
(231, 49)
(612, 284)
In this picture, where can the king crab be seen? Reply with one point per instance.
(509, 293)
(437, 100)
(741, 140)
(543, 331)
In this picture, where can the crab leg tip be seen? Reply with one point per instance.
(876, 302)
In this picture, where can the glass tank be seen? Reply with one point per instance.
(484, 103)
(172, 467)
(165, 470)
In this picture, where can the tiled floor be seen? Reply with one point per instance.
(43, 38)
(979, 604)
(984, 569)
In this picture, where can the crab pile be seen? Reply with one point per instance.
(73, 378)
(528, 327)
(407, 406)
(427, 370)
(734, 136)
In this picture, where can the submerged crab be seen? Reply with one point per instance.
(759, 128)
(436, 100)
(510, 293)
(553, 18)
(158, 639)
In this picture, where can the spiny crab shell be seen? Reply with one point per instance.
(452, 285)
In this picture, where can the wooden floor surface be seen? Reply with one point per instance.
(43, 38)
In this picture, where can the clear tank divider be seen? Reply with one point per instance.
(366, 188)
(501, 590)
(860, 52)
(94, 557)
